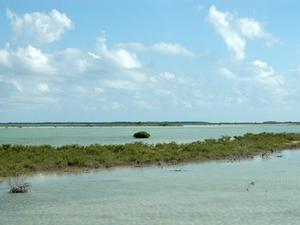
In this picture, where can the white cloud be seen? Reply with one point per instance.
(93, 55)
(120, 84)
(32, 58)
(122, 57)
(168, 75)
(171, 48)
(126, 59)
(228, 74)
(112, 78)
(43, 87)
(27, 59)
(250, 28)
(266, 73)
(165, 48)
(260, 64)
(235, 31)
(112, 75)
(137, 76)
(223, 23)
(4, 58)
(71, 61)
(16, 84)
(268, 78)
(38, 28)
(259, 78)
(132, 46)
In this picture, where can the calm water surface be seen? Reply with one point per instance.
(120, 135)
(204, 194)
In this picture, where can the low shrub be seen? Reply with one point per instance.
(141, 134)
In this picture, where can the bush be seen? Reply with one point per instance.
(141, 134)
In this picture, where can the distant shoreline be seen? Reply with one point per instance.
(136, 124)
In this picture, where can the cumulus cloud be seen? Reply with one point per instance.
(110, 74)
(38, 28)
(112, 78)
(251, 28)
(32, 58)
(223, 24)
(29, 59)
(235, 31)
(267, 77)
(260, 79)
(26, 59)
(120, 56)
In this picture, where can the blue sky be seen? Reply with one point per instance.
(137, 60)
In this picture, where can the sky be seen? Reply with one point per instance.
(142, 60)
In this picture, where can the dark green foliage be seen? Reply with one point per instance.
(26, 159)
(141, 134)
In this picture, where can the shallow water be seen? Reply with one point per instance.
(208, 193)
(120, 135)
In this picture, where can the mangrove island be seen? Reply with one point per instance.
(30, 159)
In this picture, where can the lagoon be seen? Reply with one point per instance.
(119, 135)
(206, 193)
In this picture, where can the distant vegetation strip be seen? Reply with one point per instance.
(149, 123)
(28, 159)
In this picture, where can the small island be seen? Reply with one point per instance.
(30, 159)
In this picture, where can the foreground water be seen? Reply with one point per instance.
(121, 135)
(206, 194)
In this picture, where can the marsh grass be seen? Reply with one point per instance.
(27, 159)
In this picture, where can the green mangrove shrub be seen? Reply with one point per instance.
(23, 159)
(141, 134)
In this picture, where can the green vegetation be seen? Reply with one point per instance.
(141, 134)
(27, 159)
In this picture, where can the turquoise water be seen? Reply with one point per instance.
(120, 135)
(204, 194)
